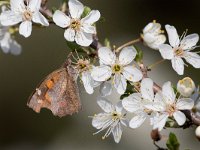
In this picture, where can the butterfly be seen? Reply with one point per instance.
(58, 92)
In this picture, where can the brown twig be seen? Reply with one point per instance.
(128, 44)
(145, 70)
(44, 9)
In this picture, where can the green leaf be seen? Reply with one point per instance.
(139, 56)
(129, 90)
(172, 142)
(86, 11)
(107, 43)
(73, 46)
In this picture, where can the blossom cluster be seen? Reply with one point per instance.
(116, 69)
(160, 107)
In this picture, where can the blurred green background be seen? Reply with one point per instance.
(45, 51)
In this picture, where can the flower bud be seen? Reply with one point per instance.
(197, 132)
(153, 35)
(186, 87)
(155, 135)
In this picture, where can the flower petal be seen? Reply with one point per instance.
(158, 97)
(120, 83)
(119, 108)
(105, 104)
(88, 28)
(152, 28)
(179, 117)
(106, 56)
(17, 5)
(101, 120)
(61, 19)
(70, 35)
(101, 73)
(39, 18)
(155, 106)
(137, 121)
(132, 103)
(117, 133)
(76, 8)
(9, 18)
(149, 38)
(193, 59)
(83, 38)
(190, 41)
(105, 89)
(87, 82)
(172, 35)
(160, 121)
(15, 48)
(93, 17)
(132, 73)
(178, 65)
(5, 43)
(127, 55)
(25, 28)
(158, 103)
(34, 5)
(159, 39)
(185, 104)
(147, 89)
(166, 51)
(168, 93)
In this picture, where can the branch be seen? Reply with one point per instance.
(44, 9)
(128, 44)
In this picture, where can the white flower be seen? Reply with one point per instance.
(196, 98)
(110, 66)
(84, 68)
(24, 12)
(186, 87)
(111, 119)
(136, 103)
(168, 105)
(7, 43)
(197, 132)
(152, 35)
(180, 48)
(77, 29)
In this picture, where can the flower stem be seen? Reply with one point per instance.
(128, 44)
(155, 64)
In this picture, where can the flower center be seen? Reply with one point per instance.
(115, 116)
(83, 65)
(75, 24)
(171, 109)
(117, 68)
(179, 51)
(27, 15)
